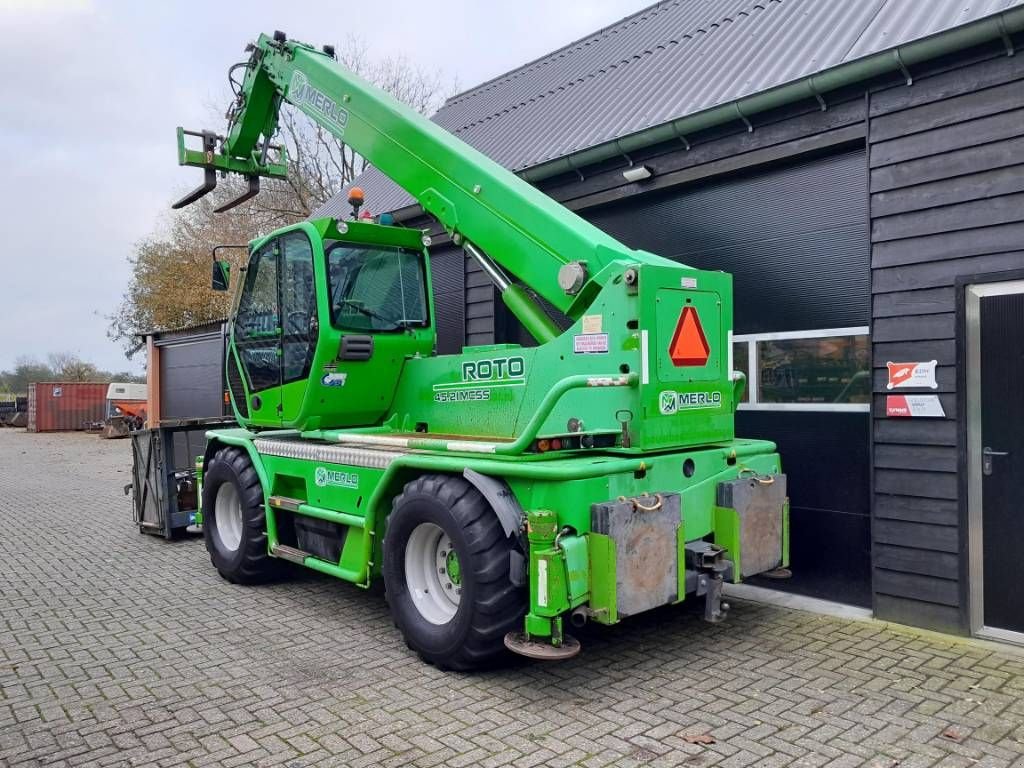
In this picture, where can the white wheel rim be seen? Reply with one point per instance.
(434, 591)
(228, 516)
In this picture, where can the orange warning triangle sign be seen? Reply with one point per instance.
(689, 344)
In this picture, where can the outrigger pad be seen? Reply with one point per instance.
(532, 649)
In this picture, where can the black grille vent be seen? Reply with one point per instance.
(237, 390)
(356, 347)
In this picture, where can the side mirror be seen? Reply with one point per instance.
(221, 275)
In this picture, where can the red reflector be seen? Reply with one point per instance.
(689, 345)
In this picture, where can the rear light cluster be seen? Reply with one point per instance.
(545, 444)
(572, 442)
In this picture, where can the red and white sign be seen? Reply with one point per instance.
(912, 375)
(913, 406)
(689, 345)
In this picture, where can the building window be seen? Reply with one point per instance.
(820, 370)
(741, 363)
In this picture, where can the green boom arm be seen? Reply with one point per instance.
(552, 250)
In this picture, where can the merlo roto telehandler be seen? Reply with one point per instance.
(504, 493)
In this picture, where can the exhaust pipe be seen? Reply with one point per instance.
(578, 618)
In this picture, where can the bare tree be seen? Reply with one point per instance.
(169, 287)
(67, 366)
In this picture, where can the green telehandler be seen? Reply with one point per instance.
(502, 493)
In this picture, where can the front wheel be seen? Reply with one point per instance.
(234, 519)
(446, 572)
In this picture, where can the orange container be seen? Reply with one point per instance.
(65, 406)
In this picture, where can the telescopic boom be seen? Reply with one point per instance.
(492, 212)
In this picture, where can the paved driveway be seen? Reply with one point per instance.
(121, 649)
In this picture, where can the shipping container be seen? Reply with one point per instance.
(64, 406)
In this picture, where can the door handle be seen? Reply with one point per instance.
(986, 459)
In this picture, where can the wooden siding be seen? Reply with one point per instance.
(448, 275)
(480, 303)
(946, 200)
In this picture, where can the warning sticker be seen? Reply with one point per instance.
(590, 343)
(912, 375)
(914, 406)
(688, 282)
(592, 323)
(689, 345)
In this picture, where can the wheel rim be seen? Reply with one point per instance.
(433, 573)
(228, 516)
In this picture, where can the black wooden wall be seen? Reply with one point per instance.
(945, 162)
(946, 158)
(794, 237)
(448, 276)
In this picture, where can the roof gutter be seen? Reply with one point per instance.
(898, 59)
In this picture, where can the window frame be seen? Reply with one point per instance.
(311, 340)
(754, 365)
(270, 247)
(424, 285)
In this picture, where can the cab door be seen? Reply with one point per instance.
(299, 323)
(379, 317)
(257, 336)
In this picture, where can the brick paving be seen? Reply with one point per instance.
(121, 649)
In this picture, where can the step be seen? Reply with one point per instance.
(286, 503)
(300, 507)
(290, 554)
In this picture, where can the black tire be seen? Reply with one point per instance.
(490, 605)
(248, 562)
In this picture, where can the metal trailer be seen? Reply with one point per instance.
(164, 484)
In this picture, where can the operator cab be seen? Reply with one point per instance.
(327, 313)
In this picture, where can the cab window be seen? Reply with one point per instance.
(298, 306)
(376, 288)
(257, 325)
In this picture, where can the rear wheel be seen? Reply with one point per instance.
(446, 571)
(234, 519)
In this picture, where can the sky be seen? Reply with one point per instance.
(91, 94)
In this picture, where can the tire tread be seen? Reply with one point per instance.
(499, 605)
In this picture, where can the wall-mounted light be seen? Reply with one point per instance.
(637, 173)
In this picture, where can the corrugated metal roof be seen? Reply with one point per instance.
(670, 60)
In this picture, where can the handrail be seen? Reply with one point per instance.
(513, 448)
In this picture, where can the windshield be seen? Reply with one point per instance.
(376, 288)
